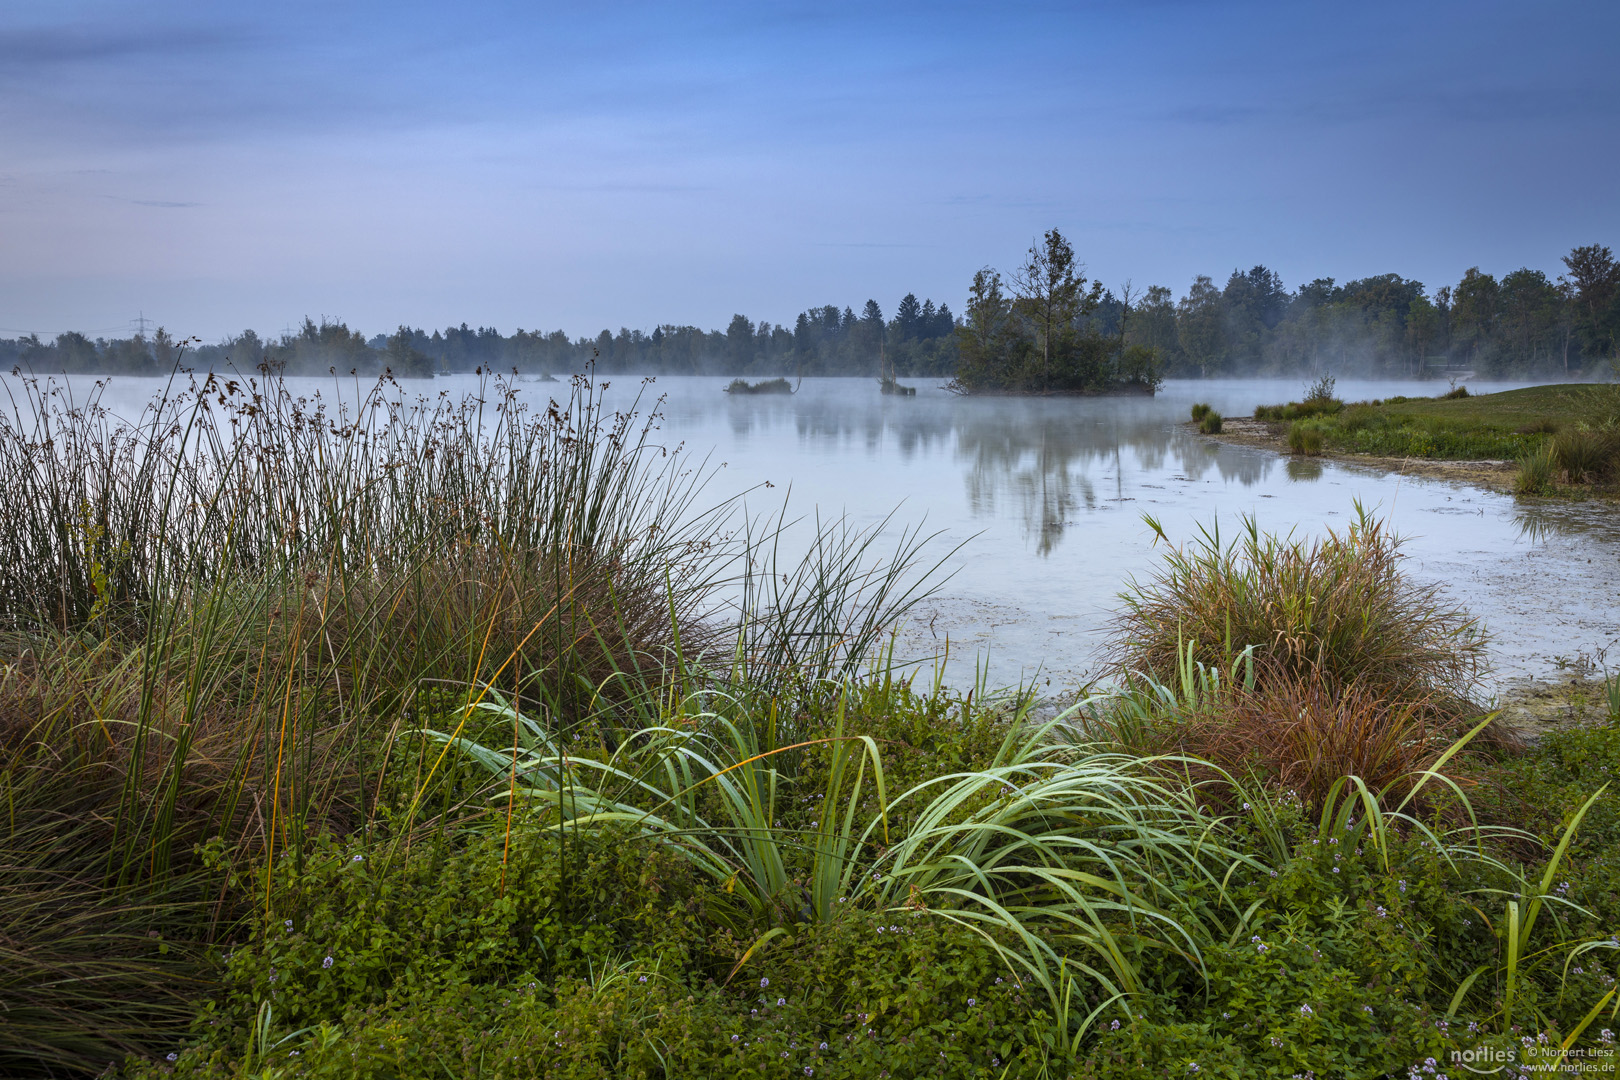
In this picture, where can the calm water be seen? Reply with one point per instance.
(1049, 496)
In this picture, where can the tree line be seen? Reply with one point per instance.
(1044, 327)
(1523, 324)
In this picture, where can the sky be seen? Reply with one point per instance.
(216, 167)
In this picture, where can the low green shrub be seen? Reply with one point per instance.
(1361, 417)
(1454, 393)
(1535, 475)
(599, 958)
(1537, 427)
(1200, 410)
(1318, 401)
(1210, 423)
(1586, 453)
(1297, 410)
(1305, 438)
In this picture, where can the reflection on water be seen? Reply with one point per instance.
(1303, 469)
(1049, 495)
(1043, 461)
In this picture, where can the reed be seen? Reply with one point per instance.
(1310, 660)
(217, 616)
(1536, 467)
(1587, 454)
(1339, 608)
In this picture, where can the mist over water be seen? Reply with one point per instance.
(1047, 498)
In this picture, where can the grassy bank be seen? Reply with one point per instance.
(1564, 438)
(495, 781)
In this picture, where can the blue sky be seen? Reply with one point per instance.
(221, 166)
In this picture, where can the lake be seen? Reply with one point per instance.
(1049, 494)
(1047, 497)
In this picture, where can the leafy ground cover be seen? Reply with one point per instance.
(379, 840)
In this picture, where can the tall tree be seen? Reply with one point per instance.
(983, 326)
(908, 317)
(1473, 312)
(1201, 325)
(1596, 277)
(1048, 287)
(740, 343)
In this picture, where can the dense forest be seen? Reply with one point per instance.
(1021, 334)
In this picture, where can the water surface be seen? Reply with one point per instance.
(1049, 495)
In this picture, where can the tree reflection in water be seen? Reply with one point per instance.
(1046, 461)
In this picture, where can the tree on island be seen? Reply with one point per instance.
(1042, 337)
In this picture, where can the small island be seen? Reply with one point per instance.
(766, 386)
(1038, 335)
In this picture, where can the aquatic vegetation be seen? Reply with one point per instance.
(1587, 454)
(1535, 475)
(766, 386)
(1337, 609)
(1200, 410)
(1305, 438)
(1210, 423)
(242, 604)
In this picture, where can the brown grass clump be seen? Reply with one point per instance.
(1303, 735)
(1337, 609)
(1306, 660)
